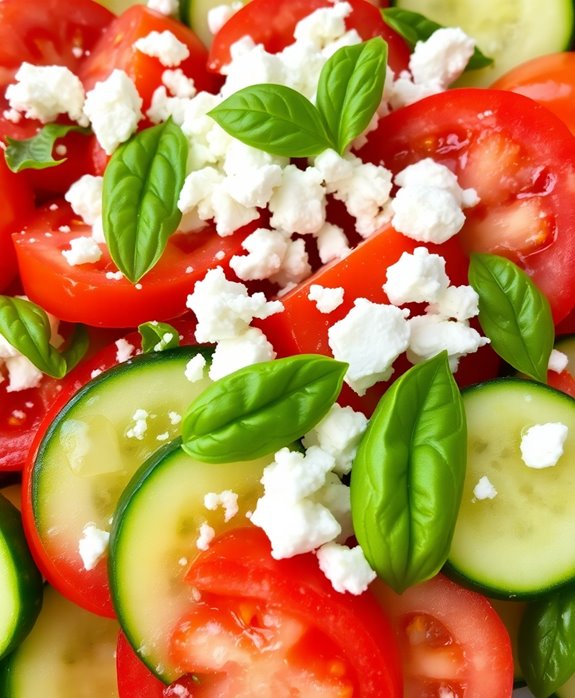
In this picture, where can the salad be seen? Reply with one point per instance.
(286, 316)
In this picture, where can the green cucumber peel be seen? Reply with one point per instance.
(407, 477)
(36, 153)
(514, 314)
(261, 408)
(281, 121)
(158, 336)
(142, 183)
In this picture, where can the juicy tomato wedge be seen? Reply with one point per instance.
(548, 80)
(452, 641)
(115, 50)
(518, 156)
(84, 293)
(272, 23)
(135, 680)
(280, 628)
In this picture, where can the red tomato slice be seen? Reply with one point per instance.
(548, 80)
(116, 50)
(83, 293)
(272, 23)
(452, 641)
(518, 156)
(135, 680)
(280, 626)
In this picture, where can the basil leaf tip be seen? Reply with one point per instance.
(35, 153)
(261, 408)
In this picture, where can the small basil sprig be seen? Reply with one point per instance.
(142, 183)
(281, 121)
(546, 645)
(261, 408)
(407, 477)
(414, 27)
(514, 314)
(36, 153)
(158, 336)
(25, 326)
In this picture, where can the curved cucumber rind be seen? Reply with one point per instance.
(508, 32)
(519, 543)
(68, 652)
(20, 582)
(153, 539)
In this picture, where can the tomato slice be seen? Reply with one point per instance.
(135, 680)
(280, 628)
(272, 23)
(83, 293)
(452, 641)
(518, 156)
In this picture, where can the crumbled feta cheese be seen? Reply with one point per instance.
(219, 15)
(294, 475)
(426, 214)
(369, 339)
(93, 545)
(195, 368)
(295, 266)
(114, 108)
(227, 499)
(179, 84)
(125, 350)
(298, 205)
(484, 489)
(174, 417)
(205, 537)
(266, 249)
(164, 107)
(416, 277)
(140, 426)
(245, 349)
(164, 46)
(332, 243)
(326, 299)
(558, 361)
(44, 92)
(346, 568)
(542, 444)
(83, 250)
(442, 58)
(336, 497)
(164, 7)
(428, 173)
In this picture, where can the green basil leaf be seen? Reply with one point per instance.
(407, 477)
(261, 408)
(142, 183)
(547, 642)
(273, 118)
(36, 153)
(414, 27)
(513, 313)
(350, 89)
(157, 336)
(25, 326)
(76, 347)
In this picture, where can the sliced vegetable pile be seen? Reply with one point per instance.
(286, 353)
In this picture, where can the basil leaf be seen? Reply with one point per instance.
(261, 408)
(350, 89)
(547, 642)
(513, 313)
(414, 27)
(36, 153)
(77, 347)
(157, 336)
(142, 183)
(25, 326)
(273, 118)
(407, 477)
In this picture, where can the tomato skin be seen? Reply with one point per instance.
(548, 80)
(238, 564)
(537, 178)
(115, 50)
(464, 637)
(135, 680)
(82, 293)
(272, 23)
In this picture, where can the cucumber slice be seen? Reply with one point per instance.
(518, 544)
(118, 6)
(154, 536)
(194, 13)
(509, 31)
(20, 582)
(69, 652)
(86, 457)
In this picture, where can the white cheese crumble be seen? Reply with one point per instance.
(558, 361)
(164, 46)
(227, 499)
(178, 83)
(124, 350)
(164, 7)
(542, 444)
(326, 299)
(219, 15)
(484, 489)
(346, 568)
(416, 278)
(140, 426)
(245, 349)
(93, 545)
(195, 368)
(83, 250)
(85, 197)
(205, 537)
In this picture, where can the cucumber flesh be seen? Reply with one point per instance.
(509, 31)
(118, 6)
(194, 13)
(517, 544)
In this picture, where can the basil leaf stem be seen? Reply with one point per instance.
(36, 153)
(158, 336)
(261, 408)
(26, 327)
(142, 183)
(514, 314)
(547, 642)
(414, 27)
(407, 477)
